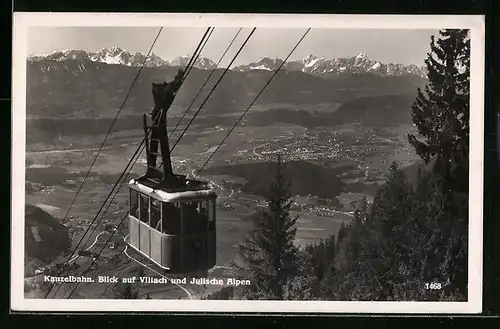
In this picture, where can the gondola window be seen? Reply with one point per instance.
(155, 214)
(211, 214)
(171, 218)
(134, 203)
(144, 209)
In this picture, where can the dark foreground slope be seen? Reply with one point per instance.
(45, 237)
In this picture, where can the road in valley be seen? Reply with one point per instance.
(75, 257)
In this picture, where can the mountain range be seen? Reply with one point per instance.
(311, 64)
(76, 93)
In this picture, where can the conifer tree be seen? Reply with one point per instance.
(426, 251)
(376, 248)
(342, 233)
(391, 215)
(441, 115)
(269, 257)
(349, 281)
(304, 285)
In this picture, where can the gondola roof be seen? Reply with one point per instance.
(193, 189)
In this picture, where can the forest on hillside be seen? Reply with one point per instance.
(410, 243)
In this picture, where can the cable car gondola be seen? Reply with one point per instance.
(172, 219)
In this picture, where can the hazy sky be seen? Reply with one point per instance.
(387, 46)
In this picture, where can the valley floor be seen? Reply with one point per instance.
(53, 176)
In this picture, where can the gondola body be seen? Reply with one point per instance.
(174, 229)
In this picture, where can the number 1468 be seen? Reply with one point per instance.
(433, 285)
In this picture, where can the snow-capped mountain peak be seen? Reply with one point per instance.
(203, 63)
(265, 63)
(113, 51)
(114, 55)
(361, 56)
(309, 58)
(180, 60)
(310, 61)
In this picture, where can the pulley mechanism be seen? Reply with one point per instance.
(157, 143)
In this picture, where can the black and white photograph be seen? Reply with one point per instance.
(247, 163)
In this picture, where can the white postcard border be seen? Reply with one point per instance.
(21, 23)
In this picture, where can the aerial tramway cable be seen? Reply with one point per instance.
(139, 149)
(203, 86)
(119, 212)
(117, 275)
(193, 60)
(112, 124)
(213, 88)
(100, 148)
(201, 45)
(99, 254)
(128, 169)
(188, 68)
(116, 226)
(255, 99)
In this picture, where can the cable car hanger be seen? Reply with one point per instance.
(171, 218)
